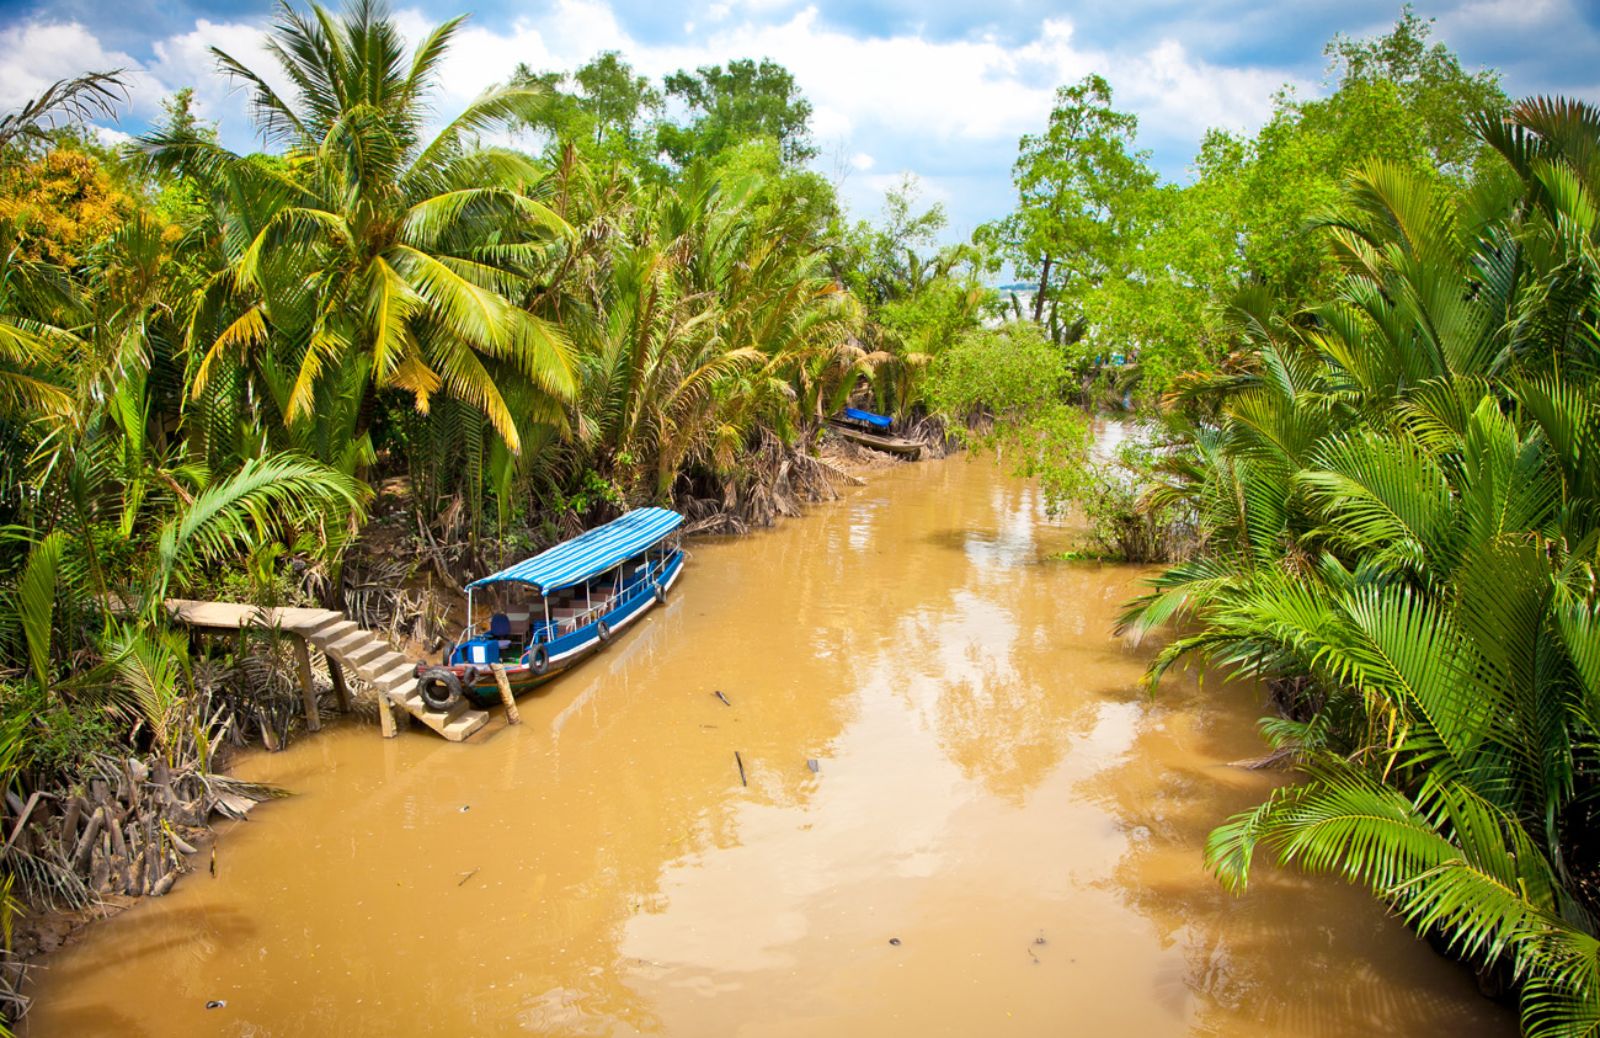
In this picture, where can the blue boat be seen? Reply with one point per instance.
(872, 430)
(550, 611)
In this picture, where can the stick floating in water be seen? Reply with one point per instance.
(722, 697)
(740, 761)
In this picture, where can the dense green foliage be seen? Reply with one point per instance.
(1366, 335)
(1399, 504)
(1127, 265)
(210, 360)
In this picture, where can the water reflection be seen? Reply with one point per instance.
(992, 791)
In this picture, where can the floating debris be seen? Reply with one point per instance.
(813, 765)
(216, 1003)
(465, 808)
(466, 876)
(895, 941)
(740, 761)
(722, 697)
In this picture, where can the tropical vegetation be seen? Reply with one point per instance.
(222, 374)
(1363, 341)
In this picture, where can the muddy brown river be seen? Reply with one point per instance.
(1002, 835)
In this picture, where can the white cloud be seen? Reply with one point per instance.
(186, 60)
(915, 101)
(924, 191)
(34, 55)
(110, 136)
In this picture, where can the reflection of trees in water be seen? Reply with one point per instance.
(1011, 666)
(1298, 955)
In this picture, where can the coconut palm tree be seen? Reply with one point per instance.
(371, 257)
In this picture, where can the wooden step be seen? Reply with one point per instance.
(389, 673)
(464, 725)
(455, 724)
(408, 700)
(345, 641)
(336, 630)
(365, 653)
(320, 628)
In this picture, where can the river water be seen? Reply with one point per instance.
(1001, 836)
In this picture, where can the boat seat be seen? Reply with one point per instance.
(500, 627)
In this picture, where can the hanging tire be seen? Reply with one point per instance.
(538, 660)
(661, 593)
(602, 631)
(439, 687)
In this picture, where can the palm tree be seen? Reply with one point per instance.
(371, 258)
(1402, 513)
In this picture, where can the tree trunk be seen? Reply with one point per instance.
(1044, 285)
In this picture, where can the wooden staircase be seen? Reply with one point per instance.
(348, 647)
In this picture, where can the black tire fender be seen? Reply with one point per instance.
(602, 630)
(538, 660)
(661, 593)
(439, 688)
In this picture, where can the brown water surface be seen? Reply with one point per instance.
(1002, 836)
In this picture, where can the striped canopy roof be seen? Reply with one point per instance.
(589, 554)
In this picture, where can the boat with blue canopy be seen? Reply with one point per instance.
(550, 611)
(872, 430)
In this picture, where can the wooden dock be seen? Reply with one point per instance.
(347, 647)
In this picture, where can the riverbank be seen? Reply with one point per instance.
(988, 775)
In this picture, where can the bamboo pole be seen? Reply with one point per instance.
(500, 679)
(308, 690)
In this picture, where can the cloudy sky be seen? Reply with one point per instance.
(936, 88)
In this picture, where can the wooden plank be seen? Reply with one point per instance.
(308, 690)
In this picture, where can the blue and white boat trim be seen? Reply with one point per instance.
(549, 611)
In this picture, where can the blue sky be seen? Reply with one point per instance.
(937, 89)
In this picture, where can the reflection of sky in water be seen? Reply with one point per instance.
(1012, 544)
(862, 517)
(1112, 433)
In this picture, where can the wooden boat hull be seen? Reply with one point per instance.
(891, 444)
